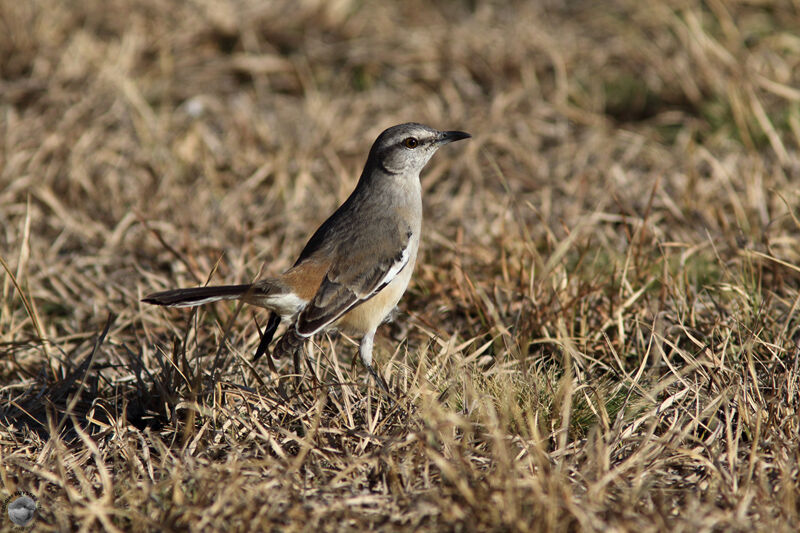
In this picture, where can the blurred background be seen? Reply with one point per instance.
(237, 126)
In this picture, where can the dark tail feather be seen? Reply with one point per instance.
(197, 295)
(266, 337)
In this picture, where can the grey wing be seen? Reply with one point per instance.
(367, 263)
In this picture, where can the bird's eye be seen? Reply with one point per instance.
(410, 142)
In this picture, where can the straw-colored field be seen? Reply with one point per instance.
(603, 328)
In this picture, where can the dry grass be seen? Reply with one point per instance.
(603, 332)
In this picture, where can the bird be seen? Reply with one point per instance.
(356, 266)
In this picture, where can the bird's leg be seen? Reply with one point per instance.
(292, 343)
(298, 368)
(365, 351)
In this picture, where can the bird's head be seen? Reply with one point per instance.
(406, 148)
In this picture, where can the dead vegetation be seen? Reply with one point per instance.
(603, 331)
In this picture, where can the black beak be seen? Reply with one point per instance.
(452, 136)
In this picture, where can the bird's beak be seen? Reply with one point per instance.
(452, 136)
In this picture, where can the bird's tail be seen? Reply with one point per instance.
(198, 295)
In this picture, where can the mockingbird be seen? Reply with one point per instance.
(357, 265)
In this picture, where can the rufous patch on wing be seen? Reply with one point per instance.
(304, 279)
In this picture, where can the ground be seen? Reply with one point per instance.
(603, 328)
